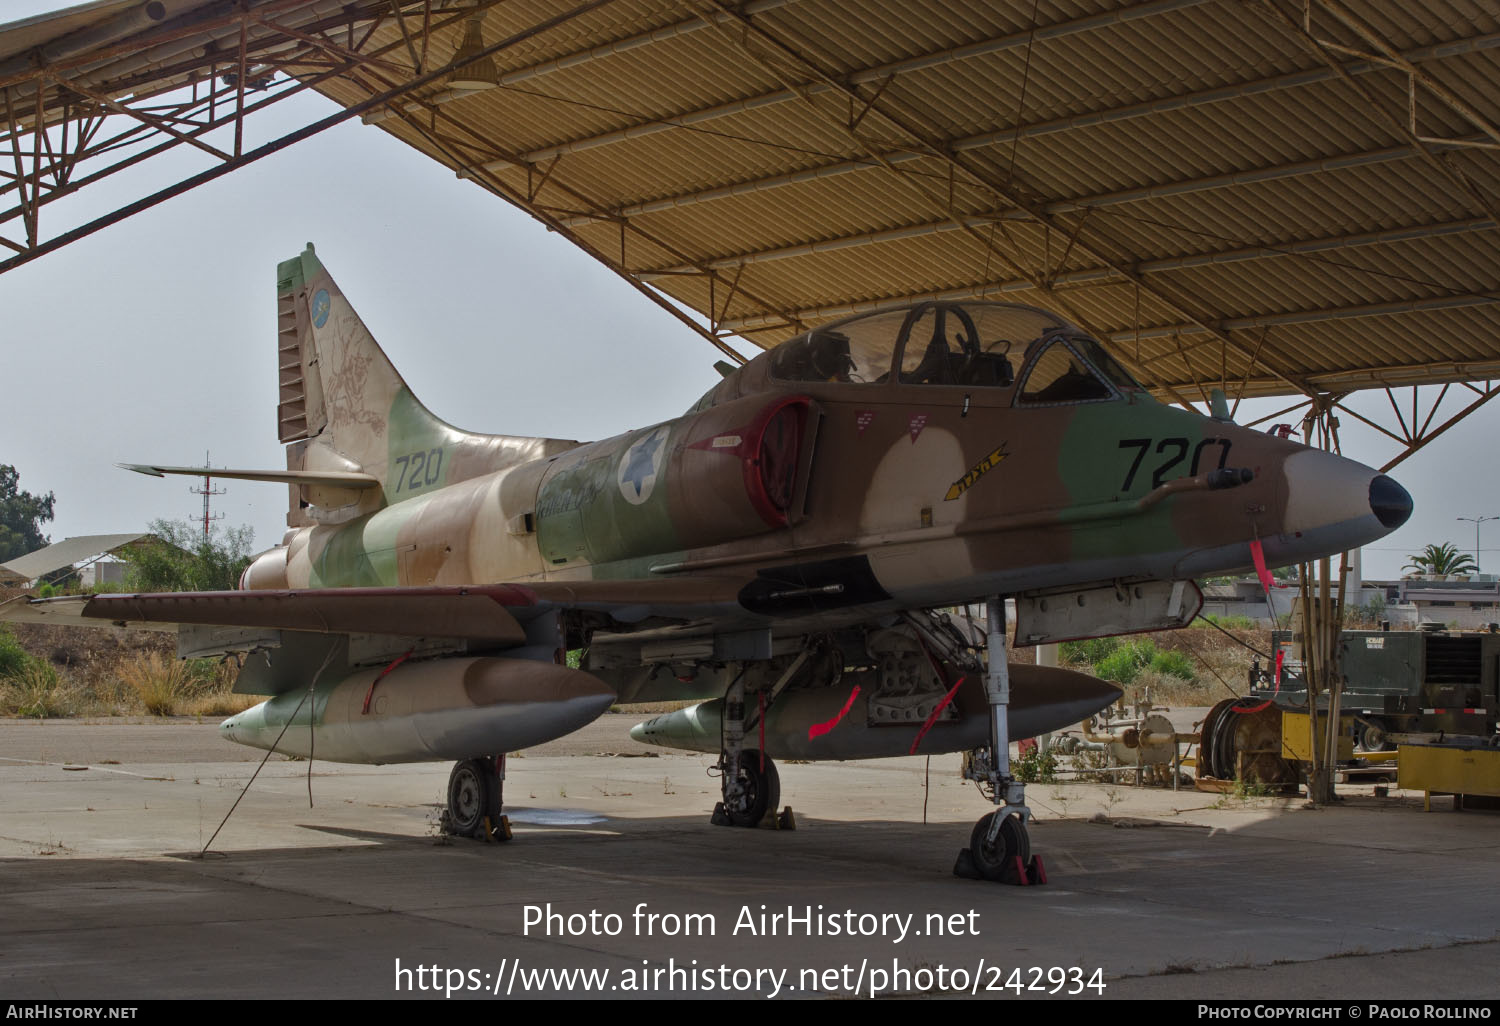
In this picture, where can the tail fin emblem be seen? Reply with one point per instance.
(321, 304)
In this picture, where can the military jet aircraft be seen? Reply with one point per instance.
(794, 550)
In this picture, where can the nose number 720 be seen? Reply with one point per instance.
(1175, 450)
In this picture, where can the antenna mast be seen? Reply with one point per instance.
(207, 491)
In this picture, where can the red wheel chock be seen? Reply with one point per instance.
(1017, 873)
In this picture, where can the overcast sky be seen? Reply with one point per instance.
(153, 339)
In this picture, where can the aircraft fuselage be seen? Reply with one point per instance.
(871, 494)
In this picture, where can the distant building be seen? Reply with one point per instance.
(1468, 602)
(102, 571)
(1245, 597)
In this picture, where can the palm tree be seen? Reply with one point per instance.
(1438, 560)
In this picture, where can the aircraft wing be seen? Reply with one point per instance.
(65, 611)
(493, 613)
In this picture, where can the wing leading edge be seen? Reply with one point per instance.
(492, 613)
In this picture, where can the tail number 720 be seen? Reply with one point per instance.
(1174, 451)
(418, 469)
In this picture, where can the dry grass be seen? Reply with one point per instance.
(37, 690)
(1223, 662)
(88, 659)
(88, 671)
(174, 687)
(653, 708)
(219, 703)
(158, 684)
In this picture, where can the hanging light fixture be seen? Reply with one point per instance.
(477, 74)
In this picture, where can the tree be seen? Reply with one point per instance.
(21, 516)
(1439, 560)
(179, 558)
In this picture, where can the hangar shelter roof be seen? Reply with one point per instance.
(1268, 196)
(67, 552)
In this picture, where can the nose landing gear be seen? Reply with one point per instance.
(999, 845)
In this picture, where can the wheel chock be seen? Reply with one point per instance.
(720, 817)
(497, 833)
(783, 820)
(1037, 871)
(1015, 873)
(964, 868)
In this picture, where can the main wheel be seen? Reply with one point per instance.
(473, 794)
(761, 791)
(993, 858)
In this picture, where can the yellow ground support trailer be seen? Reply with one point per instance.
(1458, 768)
(1296, 740)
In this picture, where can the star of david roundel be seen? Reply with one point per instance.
(640, 465)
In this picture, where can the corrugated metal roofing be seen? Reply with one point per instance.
(1228, 194)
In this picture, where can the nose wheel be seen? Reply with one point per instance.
(996, 849)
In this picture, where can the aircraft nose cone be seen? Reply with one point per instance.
(1390, 502)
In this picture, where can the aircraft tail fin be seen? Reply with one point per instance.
(335, 381)
(344, 411)
(342, 405)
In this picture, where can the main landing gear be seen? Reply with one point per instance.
(747, 776)
(753, 792)
(999, 845)
(476, 790)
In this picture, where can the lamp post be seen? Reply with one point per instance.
(1476, 521)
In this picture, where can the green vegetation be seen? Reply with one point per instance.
(28, 686)
(180, 558)
(1368, 615)
(1090, 650)
(1169, 669)
(1244, 790)
(1229, 623)
(1037, 766)
(21, 516)
(1439, 560)
(13, 658)
(1126, 662)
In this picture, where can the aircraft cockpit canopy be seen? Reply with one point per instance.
(968, 345)
(1074, 370)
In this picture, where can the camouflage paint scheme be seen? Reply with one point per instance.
(792, 532)
(949, 492)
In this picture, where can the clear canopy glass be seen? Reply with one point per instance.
(972, 344)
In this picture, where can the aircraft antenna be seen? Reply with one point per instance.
(208, 491)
